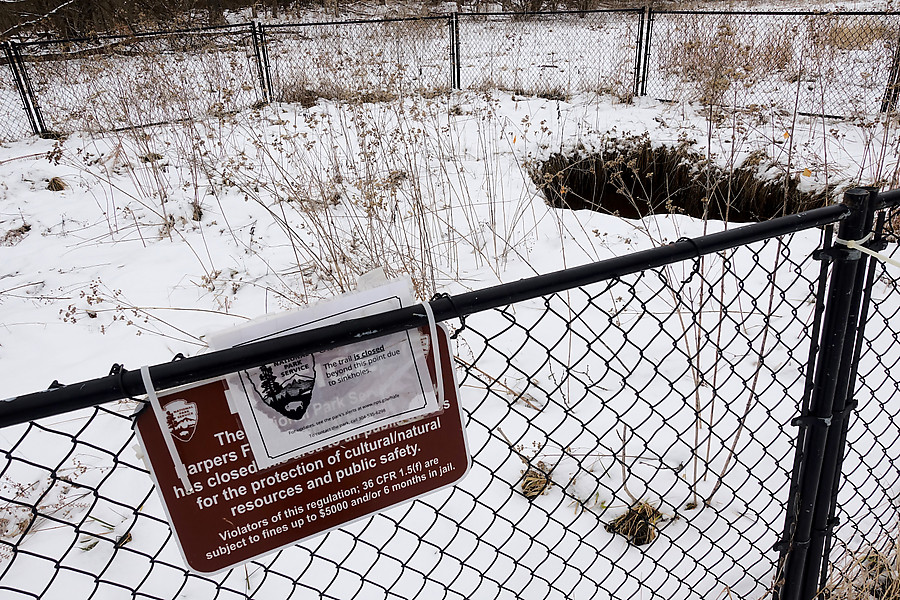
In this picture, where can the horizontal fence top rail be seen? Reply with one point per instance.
(126, 384)
(889, 199)
(357, 22)
(781, 13)
(449, 15)
(607, 11)
(240, 27)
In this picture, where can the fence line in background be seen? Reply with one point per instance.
(832, 64)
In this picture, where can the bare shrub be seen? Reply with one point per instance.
(853, 35)
(14, 236)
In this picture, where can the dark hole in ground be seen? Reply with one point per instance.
(633, 179)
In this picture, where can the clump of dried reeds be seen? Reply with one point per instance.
(536, 481)
(873, 573)
(637, 524)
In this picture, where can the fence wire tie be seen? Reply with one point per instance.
(850, 407)
(860, 245)
(460, 316)
(691, 241)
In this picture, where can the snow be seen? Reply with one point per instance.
(165, 234)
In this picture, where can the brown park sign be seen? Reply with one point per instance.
(234, 512)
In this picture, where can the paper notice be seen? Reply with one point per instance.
(304, 403)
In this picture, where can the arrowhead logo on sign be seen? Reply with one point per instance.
(181, 417)
(234, 510)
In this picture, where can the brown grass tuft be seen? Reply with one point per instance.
(56, 185)
(854, 36)
(536, 482)
(874, 574)
(637, 524)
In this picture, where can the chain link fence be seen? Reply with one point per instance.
(15, 124)
(670, 388)
(551, 54)
(840, 64)
(367, 61)
(833, 64)
(630, 438)
(866, 527)
(112, 83)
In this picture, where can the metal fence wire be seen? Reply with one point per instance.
(630, 438)
(117, 82)
(866, 518)
(551, 54)
(15, 124)
(832, 64)
(840, 64)
(368, 61)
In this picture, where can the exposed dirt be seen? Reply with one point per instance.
(633, 179)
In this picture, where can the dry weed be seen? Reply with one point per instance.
(637, 524)
(536, 481)
(853, 36)
(872, 574)
(56, 184)
(14, 236)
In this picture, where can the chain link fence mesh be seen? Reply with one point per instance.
(630, 438)
(840, 64)
(119, 82)
(551, 54)
(367, 61)
(865, 553)
(834, 64)
(14, 125)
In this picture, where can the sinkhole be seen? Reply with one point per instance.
(631, 178)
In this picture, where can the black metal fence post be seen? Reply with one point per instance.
(262, 65)
(865, 279)
(29, 104)
(806, 524)
(889, 100)
(7, 52)
(639, 50)
(454, 51)
(648, 37)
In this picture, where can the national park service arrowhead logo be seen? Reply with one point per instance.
(181, 417)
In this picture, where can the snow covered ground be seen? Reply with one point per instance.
(162, 235)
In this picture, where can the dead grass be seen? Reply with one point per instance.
(872, 574)
(14, 236)
(637, 524)
(56, 184)
(855, 35)
(536, 481)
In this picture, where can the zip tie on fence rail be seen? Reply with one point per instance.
(435, 352)
(164, 429)
(858, 245)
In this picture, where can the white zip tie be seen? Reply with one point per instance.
(164, 429)
(432, 331)
(858, 245)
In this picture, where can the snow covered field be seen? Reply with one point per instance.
(163, 235)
